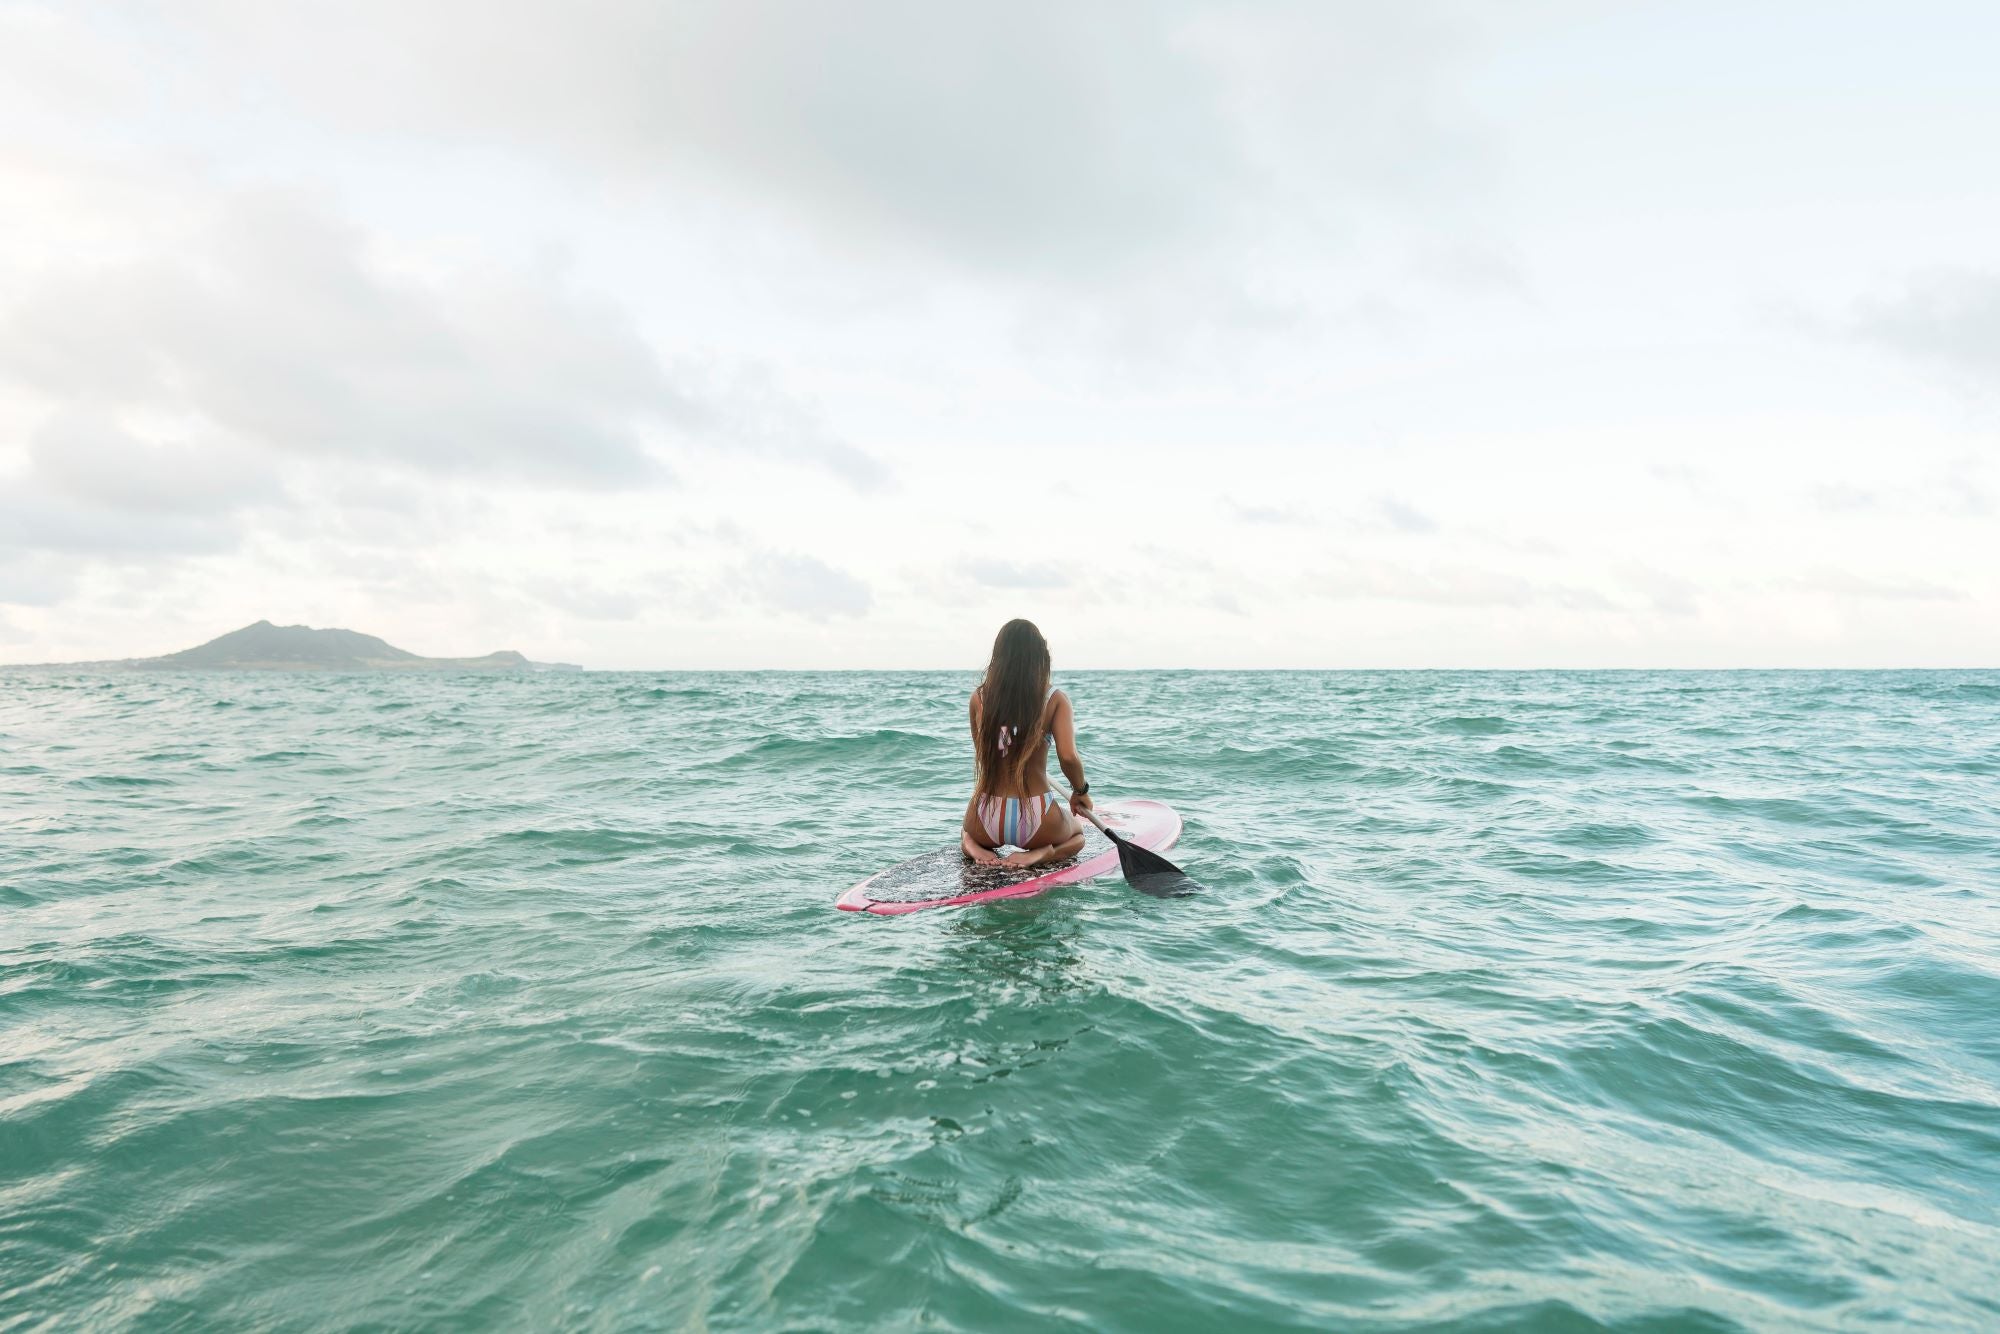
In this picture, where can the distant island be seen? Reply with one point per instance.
(265, 647)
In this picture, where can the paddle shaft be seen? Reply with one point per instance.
(1091, 816)
(1117, 840)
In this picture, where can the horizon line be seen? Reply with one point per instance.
(92, 669)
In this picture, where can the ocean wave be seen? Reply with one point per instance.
(1596, 1001)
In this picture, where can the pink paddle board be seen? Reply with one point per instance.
(948, 878)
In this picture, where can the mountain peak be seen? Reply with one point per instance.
(262, 646)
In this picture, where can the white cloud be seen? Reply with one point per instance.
(1404, 517)
(1846, 584)
(37, 522)
(1011, 574)
(273, 330)
(1948, 319)
(1039, 138)
(1270, 514)
(34, 579)
(650, 334)
(1448, 586)
(804, 586)
(90, 458)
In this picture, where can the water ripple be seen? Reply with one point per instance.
(1635, 1001)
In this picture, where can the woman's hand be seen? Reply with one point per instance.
(1079, 802)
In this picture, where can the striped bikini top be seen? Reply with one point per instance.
(1013, 734)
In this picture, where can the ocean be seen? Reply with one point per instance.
(1539, 1001)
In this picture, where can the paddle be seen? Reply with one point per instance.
(1145, 870)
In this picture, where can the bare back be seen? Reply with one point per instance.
(1056, 727)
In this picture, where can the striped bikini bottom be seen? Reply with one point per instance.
(1014, 819)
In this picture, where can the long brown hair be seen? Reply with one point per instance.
(1012, 697)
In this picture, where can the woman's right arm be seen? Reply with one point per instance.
(1063, 725)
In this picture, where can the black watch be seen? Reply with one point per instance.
(1081, 790)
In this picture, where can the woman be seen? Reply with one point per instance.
(1015, 718)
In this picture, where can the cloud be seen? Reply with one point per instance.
(1957, 489)
(592, 601)
(1842, 583)
(1140, 182)
(34, 579)
(481, 341)
(1475, 269)
(1844, 498)
(1276, 515)
(1073, 143)
(1961, 489)
(1667, 594)
(1948, 319)
(1386, 512)
(1447, 586)
(33, 520)
(90, 458)
(278, 333)
(94, 491)
(274, 330)
(805, 586)
(993, 573)
(1224, 602)
(754, 414)
(1404, 517)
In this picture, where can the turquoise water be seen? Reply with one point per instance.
(1543, 1001)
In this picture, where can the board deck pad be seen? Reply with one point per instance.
(948, 878)
(918, 880)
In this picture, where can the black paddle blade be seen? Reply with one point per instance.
(1150, 873)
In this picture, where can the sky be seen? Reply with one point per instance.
(647, 334)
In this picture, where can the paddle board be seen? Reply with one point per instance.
(948, 878)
